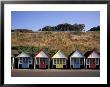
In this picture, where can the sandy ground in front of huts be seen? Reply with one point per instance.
(55, 73)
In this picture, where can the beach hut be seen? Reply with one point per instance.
(25, 61)
(59, 60)
(92, 59)
(42, 60)
(77, 60)
(12, 61)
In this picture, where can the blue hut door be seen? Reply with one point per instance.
(25, 63)
(76, 63)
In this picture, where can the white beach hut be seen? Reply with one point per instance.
(42, 60)
(25, 60)
(92, 59)
(77, 60)
(59, 60)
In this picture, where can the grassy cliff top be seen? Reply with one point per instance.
(65, 41)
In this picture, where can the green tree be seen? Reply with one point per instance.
(95, 28)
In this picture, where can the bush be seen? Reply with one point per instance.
(30, 49)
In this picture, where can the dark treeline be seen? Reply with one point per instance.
(21, 30)
(60, 27)
(95, 28)
(64, 27)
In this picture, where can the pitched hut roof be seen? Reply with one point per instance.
(23, 54)
(92, 54)
(42, 54)
(77, 54)
(59, 54)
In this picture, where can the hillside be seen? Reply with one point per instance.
(65, 41)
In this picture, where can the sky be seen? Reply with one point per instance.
(35, 20)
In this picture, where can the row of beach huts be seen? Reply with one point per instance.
(90, 59)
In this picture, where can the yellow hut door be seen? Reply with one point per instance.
(59, 63)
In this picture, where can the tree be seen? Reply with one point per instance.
(47, 28)
(22, 30)
(64, 27)
(81, 27)
(12, 30)
(95, 28)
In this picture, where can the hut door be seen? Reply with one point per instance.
(76, 63)
(25, 63)
(92, 63)
(42, 63)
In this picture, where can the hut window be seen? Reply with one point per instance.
(29, 60)
(54, 61)
(63, 61)
(23, 60)
(81, 61)
(57, 61)
(97, 61)
(60, 61)
(26, 59)
(20, 60)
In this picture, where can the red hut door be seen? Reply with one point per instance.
(42, 63)
(92, 63)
